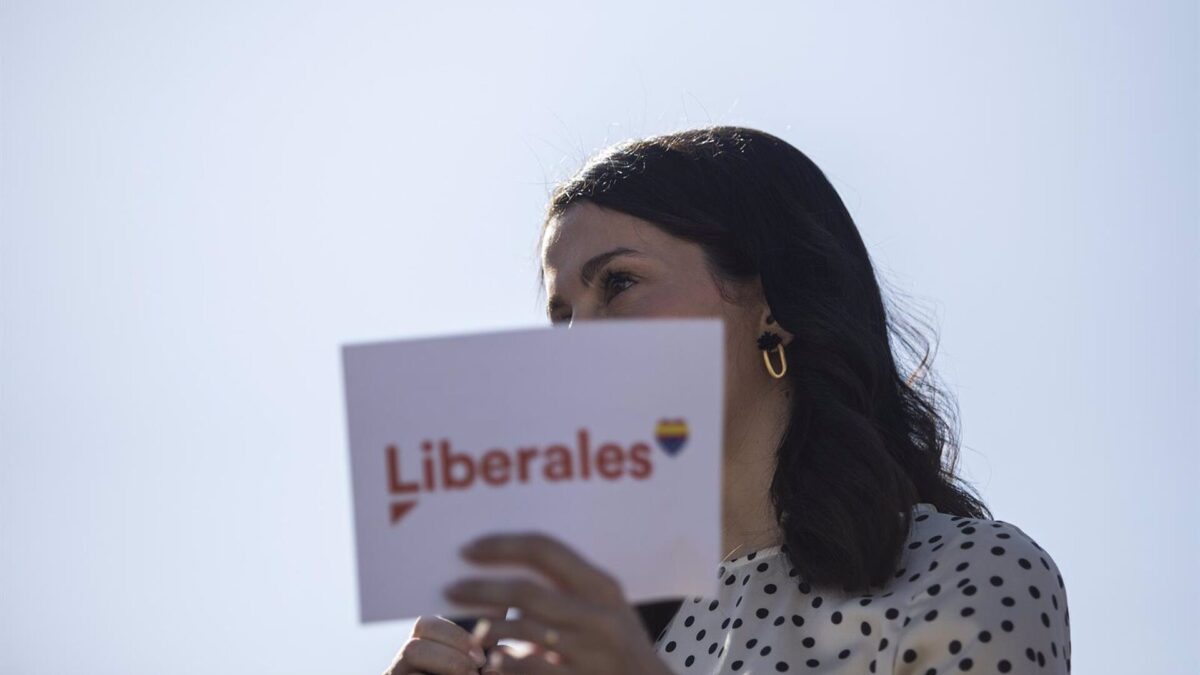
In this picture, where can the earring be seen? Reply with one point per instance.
(768, 341)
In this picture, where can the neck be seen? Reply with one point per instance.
(751, 440)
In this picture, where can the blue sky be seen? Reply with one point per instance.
(199, 202)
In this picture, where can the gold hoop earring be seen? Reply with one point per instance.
(766, 342)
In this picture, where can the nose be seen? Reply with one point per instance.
(583, 313)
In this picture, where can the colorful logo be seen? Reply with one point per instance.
(671, 435)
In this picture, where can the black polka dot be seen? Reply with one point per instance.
(671, 646)
(769, 589)
(808, 642)
(909, 656)
(700, 635)
(836, 617)
(689, 661)
(844, 654)
(965, 664)
(736, 665)
(761, 613)
(782, 666)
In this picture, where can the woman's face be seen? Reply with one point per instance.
(599, 263)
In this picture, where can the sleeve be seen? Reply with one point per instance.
(1002, 608)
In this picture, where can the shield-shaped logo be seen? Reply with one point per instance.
(671, 435)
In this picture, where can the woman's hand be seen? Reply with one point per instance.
(437, 646)
(581, 626)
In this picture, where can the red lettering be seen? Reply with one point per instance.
(639, 454)
(395, 483)
(427, 461)
(495, 467)
(558, 464)
(450, 459)
(609, 460)
(442, 468)
(584, 461)
(524, 456)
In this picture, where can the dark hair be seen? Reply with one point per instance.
(863, 444)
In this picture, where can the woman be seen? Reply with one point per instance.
(852, 547)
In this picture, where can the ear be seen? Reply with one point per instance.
(768, 324)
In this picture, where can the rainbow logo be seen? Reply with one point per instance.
(671, 435)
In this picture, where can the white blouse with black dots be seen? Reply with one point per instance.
(970, 595)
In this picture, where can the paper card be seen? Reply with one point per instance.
(606, 435)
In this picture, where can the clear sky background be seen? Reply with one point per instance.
(200, 201)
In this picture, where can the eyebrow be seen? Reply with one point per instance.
(589, 270)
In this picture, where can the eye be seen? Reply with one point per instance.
(613, 282)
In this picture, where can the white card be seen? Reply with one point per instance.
(606, 435)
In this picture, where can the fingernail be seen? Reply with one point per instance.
(493, 661)
(477, 656)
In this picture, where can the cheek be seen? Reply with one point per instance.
(742, 355)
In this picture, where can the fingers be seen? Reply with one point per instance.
(443, 630)
(532, 598)
(552, 558)
(533, 664)
(420, 655)
(543, 637)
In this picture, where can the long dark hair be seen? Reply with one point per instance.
(864, 441)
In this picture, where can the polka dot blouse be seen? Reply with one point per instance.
(970, 595)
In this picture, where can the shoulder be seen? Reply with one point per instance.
(980, 593)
